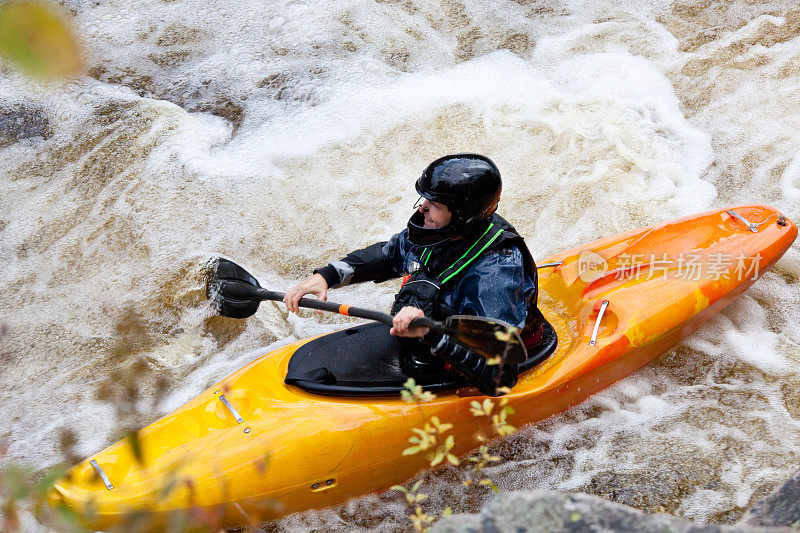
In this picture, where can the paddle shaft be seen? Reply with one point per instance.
(238, 294)
(348, 310)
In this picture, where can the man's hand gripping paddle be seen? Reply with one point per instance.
(236, 294)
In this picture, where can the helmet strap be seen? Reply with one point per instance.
(419, 235)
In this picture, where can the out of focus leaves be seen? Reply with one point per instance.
(136, 446)
(37, 40)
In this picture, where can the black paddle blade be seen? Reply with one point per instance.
(489, 337)
(232, 289)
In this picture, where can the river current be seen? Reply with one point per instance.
(284, 134)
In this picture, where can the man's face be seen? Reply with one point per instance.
(436, 215)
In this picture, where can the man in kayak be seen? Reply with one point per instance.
(458, 258)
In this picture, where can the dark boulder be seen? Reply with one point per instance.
(18, 122)
(780, 508)
(555, 512)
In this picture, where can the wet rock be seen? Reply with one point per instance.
(178, 34)
(207, 98)
(171, 58)
(291, 87)
(519, 43)
(141, 84)
(661, 491)
(780, 508)
(534, 511)
(19, 122)
(223, 107)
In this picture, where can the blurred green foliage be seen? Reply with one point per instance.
(38, 41)
(428, 437)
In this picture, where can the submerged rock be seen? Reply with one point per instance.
(208, 97)
(780, 508)
(18, 122)
(535, 511)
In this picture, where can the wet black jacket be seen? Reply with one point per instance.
(500, 282)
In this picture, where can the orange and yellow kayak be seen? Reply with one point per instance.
(252, 448)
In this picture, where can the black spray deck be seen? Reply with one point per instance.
(366, 361)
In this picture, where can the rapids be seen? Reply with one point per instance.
(284, 134)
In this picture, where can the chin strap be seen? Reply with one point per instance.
(419, 235)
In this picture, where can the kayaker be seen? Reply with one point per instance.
(458, 258)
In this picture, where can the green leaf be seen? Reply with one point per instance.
(506, 429)
(50, 477)
(428, 396)
(37, 40)
(489, 483)
(170, 486)
(399, 488)
(488, 405)
(412, 450)
(15, 482)
(136, 446)
(67, 519)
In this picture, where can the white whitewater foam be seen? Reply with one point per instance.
(284, 135)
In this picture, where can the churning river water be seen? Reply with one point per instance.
(284, 134)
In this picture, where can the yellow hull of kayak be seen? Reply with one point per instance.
(294, 450)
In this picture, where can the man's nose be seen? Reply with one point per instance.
(425, 206)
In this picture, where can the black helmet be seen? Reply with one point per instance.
(468, 184)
